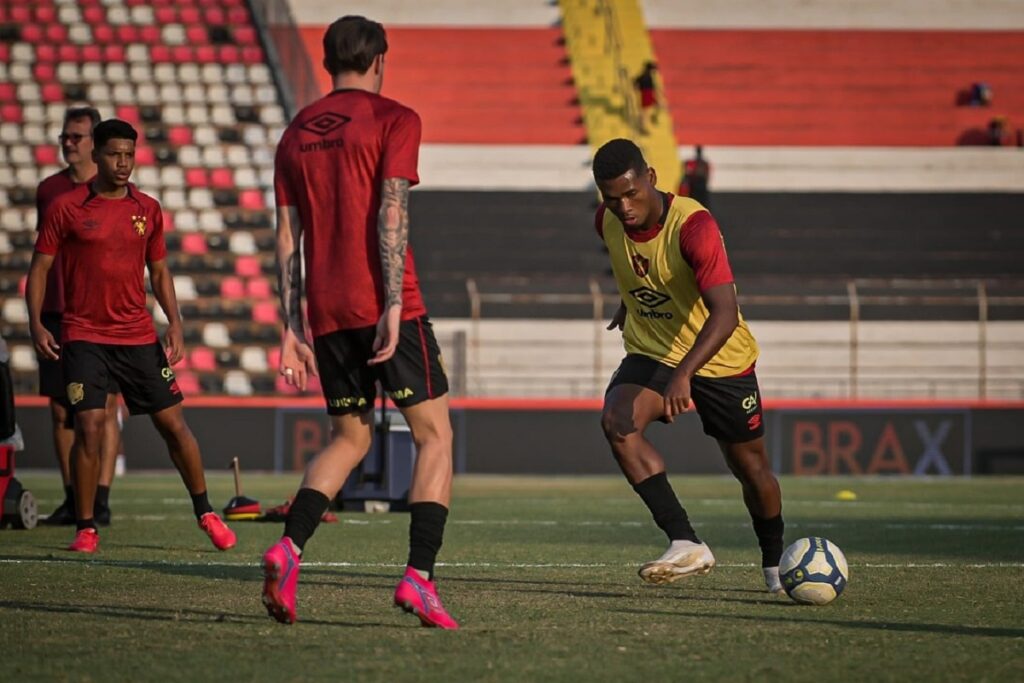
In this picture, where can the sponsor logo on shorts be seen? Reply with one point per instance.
(399, 394)
(440, 361)
(346, 402)
(750, 403)
(76, 392)
(167, 374)
(754, 422)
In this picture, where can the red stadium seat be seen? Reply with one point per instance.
(94, 15)
(52, 92)
(129, 33)
(44, 53)
(245, 35)
(190, 15)
(129, 113)
(103, 33)
(168, 215)
(251, 199)
(5, 52)
(150, 35)
(197, 35)
(203, 359)
(144, 156)
(160, 54)
(46, 14)
(194, 243)
(57, 33)
(274, 358)
(238, 16)
(215, 16)
(45, 155)
(182, 54)
(265, 312)
(196, 177)
(222, 178)
(92, 53)
(44, 72)
(247, 266)
(8, 92)
(20, 14)
(179, 135)
(32, 33)
(165, 15)
(69, 53)
(232, 288)
(259, 288)
(206, 54)
(252, 55)
(22, 284)
(229, 54)
(113, 53)
(11, 113)
(187, 380)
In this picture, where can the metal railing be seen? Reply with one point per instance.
(867, 370)
(286, 52)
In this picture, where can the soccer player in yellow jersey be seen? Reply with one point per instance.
(686, 342)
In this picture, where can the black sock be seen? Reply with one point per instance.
(200, 504)
(426, 532)
(668, 514)
(304, 515)
(102, 497)
(85, 524)
(769, 537)
(69, 496)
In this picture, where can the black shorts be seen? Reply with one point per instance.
(51, 372)
(729, 407)
(413, 375)
(141, 371)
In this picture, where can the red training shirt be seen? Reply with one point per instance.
(330, 165)
(105, 245)
(48, 190)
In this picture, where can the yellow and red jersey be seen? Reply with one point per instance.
(661, 273)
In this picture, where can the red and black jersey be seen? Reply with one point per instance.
(330, 165)
(48, 190)
(105, 245)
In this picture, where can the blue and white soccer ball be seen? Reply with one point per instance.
(813, 571)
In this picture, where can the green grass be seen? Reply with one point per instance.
(541, 573)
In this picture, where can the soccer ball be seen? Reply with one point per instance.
(813, 571)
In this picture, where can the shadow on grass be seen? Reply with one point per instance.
(166, 614)
(982, 631)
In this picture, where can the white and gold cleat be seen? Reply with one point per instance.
(682, 559)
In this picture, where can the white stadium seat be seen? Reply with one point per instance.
(184, 288)
(236, 383)
(215, 335)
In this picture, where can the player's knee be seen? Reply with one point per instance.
(617, 426)
(89, 428)
(433, 435)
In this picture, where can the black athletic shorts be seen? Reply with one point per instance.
(729, 407)
(51, 372)
(413, 375)
(141, 371)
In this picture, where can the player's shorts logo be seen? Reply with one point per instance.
(76, 392)
(754, 422)
(649, 297)
(167, 374)
(641, 265)
(399, 394)
(750, 402)
(325, 122)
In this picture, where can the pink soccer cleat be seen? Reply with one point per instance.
(419, 596)
(223, 538)
(280, 579)
(86, 541)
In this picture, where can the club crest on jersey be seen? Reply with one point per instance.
(139, 223)
(641, 265)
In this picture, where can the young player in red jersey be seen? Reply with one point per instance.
(686, 341)
(343, 171)
(76, 146)
(108, 233)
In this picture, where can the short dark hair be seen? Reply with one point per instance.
(352, 43)
(617, 157)
(112, 129)
(75, 113)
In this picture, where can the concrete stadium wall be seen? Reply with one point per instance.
(564, 437)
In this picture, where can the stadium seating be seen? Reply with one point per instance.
(192, 78)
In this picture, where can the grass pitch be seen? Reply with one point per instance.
(541, 572)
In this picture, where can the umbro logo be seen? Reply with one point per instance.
(649, 297)
(324, 123)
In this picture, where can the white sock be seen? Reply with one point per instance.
(422, 574)
(682, 545)
(771, 576)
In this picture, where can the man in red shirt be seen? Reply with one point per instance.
(76, 146)
(343, 171)
(108, 233)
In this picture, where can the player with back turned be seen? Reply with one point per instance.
(108, 233)
(685, 342)
(342, 177)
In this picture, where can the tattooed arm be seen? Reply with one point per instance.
(297, 361)
(393, 235)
